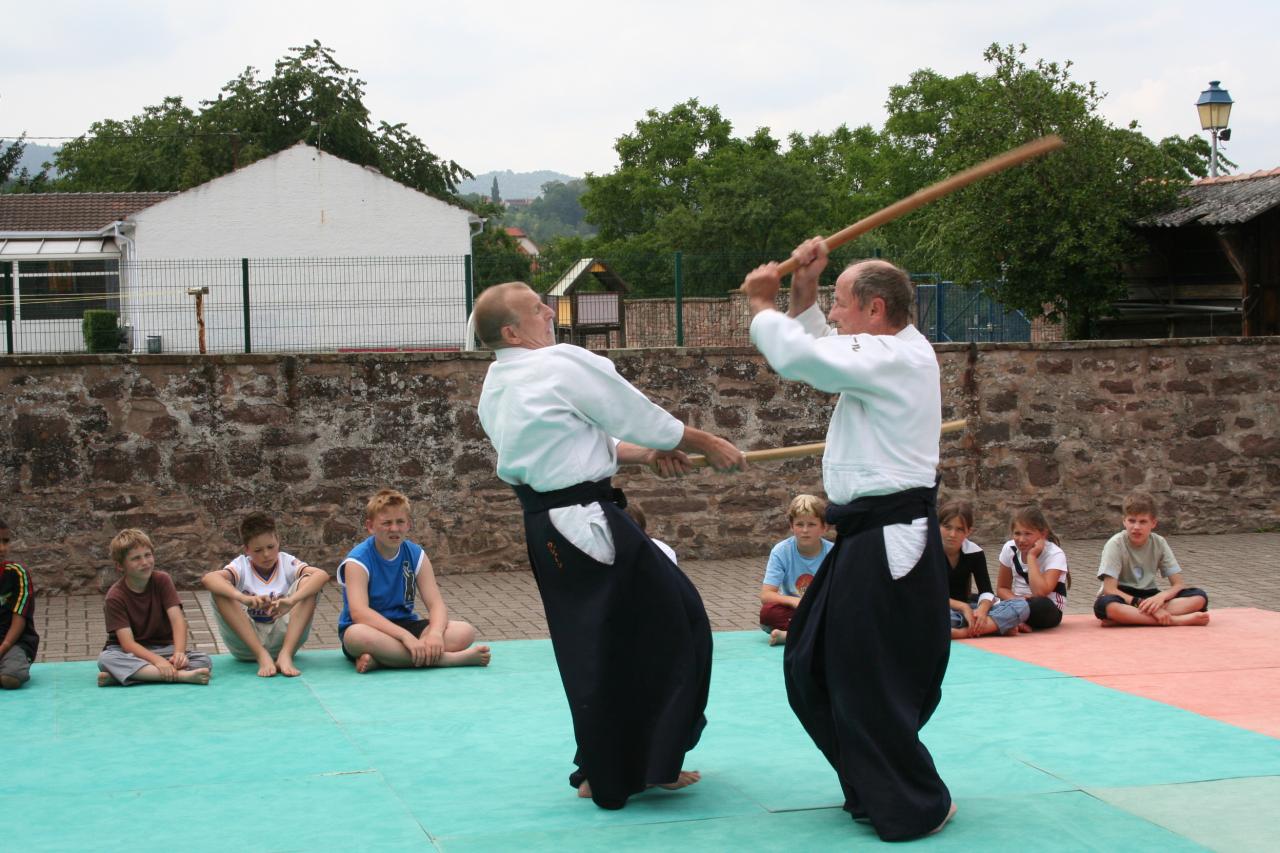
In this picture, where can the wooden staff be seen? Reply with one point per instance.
(797, 451)
(920, 198)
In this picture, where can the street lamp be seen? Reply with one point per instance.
(1214, 107)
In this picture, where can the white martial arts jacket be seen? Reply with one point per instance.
(554, 416)
(883, 436)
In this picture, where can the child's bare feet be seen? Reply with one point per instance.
(285, 664)
(584, 790)
(106, 680)
(951, 812)
(684, 780)
(193, 676)
(777, 637)
(1024, 628)
(1199, 618)
(1109, 623)
(366, 663)
(266, 666)
(474, 656)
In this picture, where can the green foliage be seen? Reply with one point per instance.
(101, 330)
(23, 181)
(494, 195)
(558, 212)
(309, 97)
(1054, 232)
(497, 258)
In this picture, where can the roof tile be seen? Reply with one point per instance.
(46, 212)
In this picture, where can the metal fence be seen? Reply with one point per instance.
(410, 303)
(946, 312)
(241, 305)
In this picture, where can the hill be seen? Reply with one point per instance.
(513, 184)
(32, 156)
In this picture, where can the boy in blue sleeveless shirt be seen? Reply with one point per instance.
(378, 625)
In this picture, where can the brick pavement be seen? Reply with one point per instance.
(1237, 570)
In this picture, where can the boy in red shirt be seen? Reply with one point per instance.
(146, 631)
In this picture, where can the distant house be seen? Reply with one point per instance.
(525, 244)
(338, 257)
(1212, 266)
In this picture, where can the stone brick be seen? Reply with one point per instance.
(989, 433)
(1118, 386)
(1205, 428)
(193, 468)
(1200, 452)
(1257, 446)
(1237, 384)
(346, 462)
(1005, 401)
(1043, 471)
(1184, 386)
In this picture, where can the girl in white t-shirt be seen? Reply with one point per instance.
(1033, 567)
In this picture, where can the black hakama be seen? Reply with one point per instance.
(864, 663)
(632, 643)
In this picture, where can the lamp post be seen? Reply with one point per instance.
(1214, 107)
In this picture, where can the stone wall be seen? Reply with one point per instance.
(183, 446)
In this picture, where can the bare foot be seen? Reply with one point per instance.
(584, 790)
(286, 667)
(266, 666)
(193, 676)
(777, 637)
(1024, 628)
(684, 780)
(1200, 618)
(951, 812)
(106, 680)
(474, 656)
(1109, 623)
(366, 663)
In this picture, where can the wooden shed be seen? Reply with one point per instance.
(581, 312)
(1212, 266)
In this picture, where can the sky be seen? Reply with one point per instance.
(551, 84)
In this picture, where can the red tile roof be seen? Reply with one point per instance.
(71, 211)
(1222, 179)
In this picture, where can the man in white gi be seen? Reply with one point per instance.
(631, 637)
(868, 645)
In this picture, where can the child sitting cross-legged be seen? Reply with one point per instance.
(793, 562)
(265, 599)
(981, 613)
(1131, 562)
(146, 631)
(378, 626)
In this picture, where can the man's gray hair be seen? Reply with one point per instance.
(492, 312)
(877, 278)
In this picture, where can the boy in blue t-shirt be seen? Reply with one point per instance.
(378, 625)
(792, 564)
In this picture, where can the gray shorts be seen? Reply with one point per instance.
(121, 665)
(15, 664)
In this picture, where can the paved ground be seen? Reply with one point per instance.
(1237, 570)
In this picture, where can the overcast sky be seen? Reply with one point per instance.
(552, 84)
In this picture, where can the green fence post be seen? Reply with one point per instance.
(8, 305)
(244, 301)
(467, 276)
(679, 300)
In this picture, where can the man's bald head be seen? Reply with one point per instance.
(492, 312)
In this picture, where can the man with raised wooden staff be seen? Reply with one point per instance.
(631, 638)
(869, 642)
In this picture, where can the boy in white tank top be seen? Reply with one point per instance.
(265, 599)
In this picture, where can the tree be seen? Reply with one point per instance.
(1054, 232)
(558, 212)
(309, 97)
(494, 196)
(23, 181)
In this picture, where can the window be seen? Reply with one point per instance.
(63, 290)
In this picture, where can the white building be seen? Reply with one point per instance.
(331, 255)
